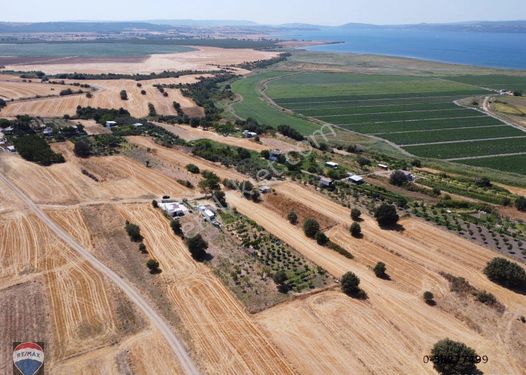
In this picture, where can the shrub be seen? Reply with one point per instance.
(506, 273)
(355, 214)
(398, 178)
(155, 204)
(482, 182)
(192, 168)
(350, 284)
(311, 227)
(82, 148)
(453, 358)
(520, 203)
(356, 230)
(290, 132)
(386, 215)
(153, 265)
(486, 298)
(176, 227)
(380, 270)
(280, 277)
(124, 95)
(142, 248)
(197, 246)
(321, 238)
(292, 217)
(429, 298)
(134, 232)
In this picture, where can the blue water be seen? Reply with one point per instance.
(500, 50)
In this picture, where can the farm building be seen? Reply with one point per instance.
(383, 166)
(137, 125)
(331, 164)
(207, 212)
(249, 134)
(326, 182)
(172, 207)
(355, 179)
(8, 130)
(110, 124)
(11, 148)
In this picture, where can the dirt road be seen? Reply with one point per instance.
(173, 341)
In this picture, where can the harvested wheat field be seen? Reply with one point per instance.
(201, 58)
(18, 90)
(222, 335)
(369, 344)
(118, 178)
(107, 95)
(266, 143)
(175, 158)
(66, 303)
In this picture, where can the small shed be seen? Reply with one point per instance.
(383, 166)
(47, 131)
(326, 182)
(331, 164)
(11, 148)
(137, 125)
(249, 134)
(110, 124)
(358, 180)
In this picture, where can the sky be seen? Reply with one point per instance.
(325, 12)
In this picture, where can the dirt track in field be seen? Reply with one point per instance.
(201, 59)
(119, 178)
(106, 96)
(394, 328)
(177, 159)
(222, 334)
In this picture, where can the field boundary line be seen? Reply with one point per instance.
(486, 156)
(157, 320)
(415, 120)
(463, 141)
(441, 129)
(387, 113)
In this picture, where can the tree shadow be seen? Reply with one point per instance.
(394, 227)
(431, 302)
(358, 294)
(385, 276)
(156, 271)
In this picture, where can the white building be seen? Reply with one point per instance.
(172, 207)
(137, 125)
(207, 212)
(383, 166)
(331, 164)
(354, 178)
(11, 148)
(47, 131)
(110, 124)
(249, 134)
(325, 182)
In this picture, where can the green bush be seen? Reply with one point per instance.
(311, 227)
(197, 246)
(380, 270)
(350, 284)
(520, 203)
(321, 238)
(453, 358)
(356, 230)
(33, 148)
(192, 168)
(386, 215)
(355, 214)
(292, 217)
(134, 232)
(506, 273)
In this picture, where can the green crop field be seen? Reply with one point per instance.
(252, 105)
(461, 150)
(515, 163)
(416, 113)
(493, 81)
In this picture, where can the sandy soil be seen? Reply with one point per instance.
(203, 58)
(174, 158)
(106, 96)
(119, 178)
(92, 128)
(394, 312)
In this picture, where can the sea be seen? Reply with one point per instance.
(497, 50)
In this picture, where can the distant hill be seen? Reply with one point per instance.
(476, 26)
(203, 23)
(55, 27)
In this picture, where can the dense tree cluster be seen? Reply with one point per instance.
(33, 148)
(290, 132)
(386, 215)
(398, 178)
(134, 232)
(454, 358)
(506, 273)
(197, 246)
(311, 227)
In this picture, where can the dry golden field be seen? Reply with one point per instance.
(107, 95)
